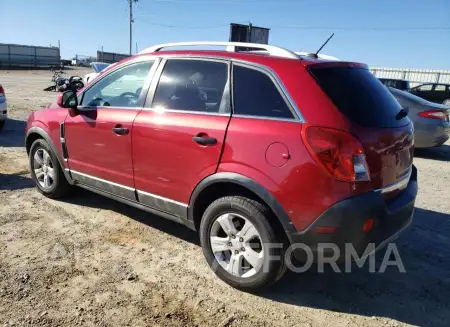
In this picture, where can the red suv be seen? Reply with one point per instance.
(256, 151)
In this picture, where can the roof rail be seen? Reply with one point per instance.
(230, 47)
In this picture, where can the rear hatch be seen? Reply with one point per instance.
(377, 119)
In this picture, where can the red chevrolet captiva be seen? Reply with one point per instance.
(257, 151)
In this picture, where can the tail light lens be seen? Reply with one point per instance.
(2, 92)
(434, 114)
(339, 153)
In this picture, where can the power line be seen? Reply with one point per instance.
(182, 26)
(309, 28)
(365, 28)
(240, 1)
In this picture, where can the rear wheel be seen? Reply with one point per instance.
(46, 171)
(240, 244)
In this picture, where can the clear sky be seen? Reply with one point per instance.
(391, 33)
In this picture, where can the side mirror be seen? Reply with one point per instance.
(67, 99)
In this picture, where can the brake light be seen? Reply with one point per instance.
(433, 114)
(2, 92)
(339, 153)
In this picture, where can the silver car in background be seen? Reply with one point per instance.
(431, 120)
(3, 108)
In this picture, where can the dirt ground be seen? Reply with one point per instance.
(89, 261)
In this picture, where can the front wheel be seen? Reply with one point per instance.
(240, 244)
(46, 171)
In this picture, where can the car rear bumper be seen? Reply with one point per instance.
(344, 223)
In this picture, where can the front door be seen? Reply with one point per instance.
(98, 134)
(424, 91)
(178, 139)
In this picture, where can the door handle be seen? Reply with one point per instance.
(205, 140)
(119, 130)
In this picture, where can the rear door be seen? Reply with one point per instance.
(378, 121)
(439, 93)
(179, 135)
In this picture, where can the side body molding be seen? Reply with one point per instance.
(249, 184)
(47, 138)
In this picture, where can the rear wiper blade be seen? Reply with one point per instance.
(402, 113)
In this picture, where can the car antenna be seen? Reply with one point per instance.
(323, 45)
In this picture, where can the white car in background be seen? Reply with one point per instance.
(3, 108)
(98, 67)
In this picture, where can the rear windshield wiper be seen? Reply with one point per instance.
(402, 113)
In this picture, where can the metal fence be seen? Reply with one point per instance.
(414, 76)
(110, 57)
(16, 55)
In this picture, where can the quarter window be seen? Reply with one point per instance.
(193, 85)
(426, 87)
(255, 94)
(121, 88)
(439, 88)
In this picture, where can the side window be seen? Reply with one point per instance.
(439, 88)
(192, 85)
(255, 94)
(121, 88)
(426, 87)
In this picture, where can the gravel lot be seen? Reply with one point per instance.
(90, 261)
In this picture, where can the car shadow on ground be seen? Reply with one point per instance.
(13, 133)
(418, 297)
(441, 153)
(11, 182)
(87, 198)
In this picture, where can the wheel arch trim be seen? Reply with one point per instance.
(41, 132)
(250, 185)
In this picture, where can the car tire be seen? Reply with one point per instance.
(268, 261)
(2, 123)
(46, 172)
(446, 102)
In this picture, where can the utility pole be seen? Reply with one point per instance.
(130, 2)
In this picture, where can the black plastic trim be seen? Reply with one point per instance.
(46, 137)
(249, 184)
(162, 204)
(64, 151)
(62, 130)
(348, 217)
(140, 206)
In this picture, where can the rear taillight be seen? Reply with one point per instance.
(339, 153)
(434, 114)
(2, 92)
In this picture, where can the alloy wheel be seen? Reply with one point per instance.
(237, 245)
(43, 168)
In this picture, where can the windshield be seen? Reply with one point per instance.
(360, 96)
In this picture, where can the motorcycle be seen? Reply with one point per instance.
(62, 83)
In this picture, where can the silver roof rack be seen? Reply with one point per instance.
(230, 47)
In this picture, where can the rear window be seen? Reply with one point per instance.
(360, 96)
